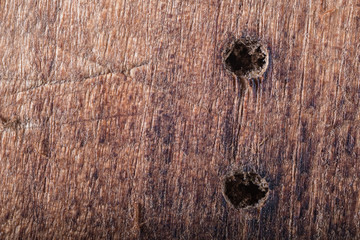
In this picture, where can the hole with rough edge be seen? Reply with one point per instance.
(244, 189)
(246, 58)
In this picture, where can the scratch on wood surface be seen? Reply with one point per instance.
(137, 219)
(328, 12)
(140, 227)
(126, 72)
(129, 71)
(263, 141)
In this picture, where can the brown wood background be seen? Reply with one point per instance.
(118, 119)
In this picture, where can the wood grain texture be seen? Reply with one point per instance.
(119, 120)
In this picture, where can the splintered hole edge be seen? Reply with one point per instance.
(246, 58)
(245, 189)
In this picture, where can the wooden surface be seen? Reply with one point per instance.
(119, 120)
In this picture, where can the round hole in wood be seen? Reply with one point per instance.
(246, 58)
(245, 189)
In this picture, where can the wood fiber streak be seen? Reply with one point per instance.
(118, 119)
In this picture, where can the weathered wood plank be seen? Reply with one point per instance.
(119, 119)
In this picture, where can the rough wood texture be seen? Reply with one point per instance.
(119, 120)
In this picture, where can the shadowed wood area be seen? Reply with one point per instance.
(119, 119)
